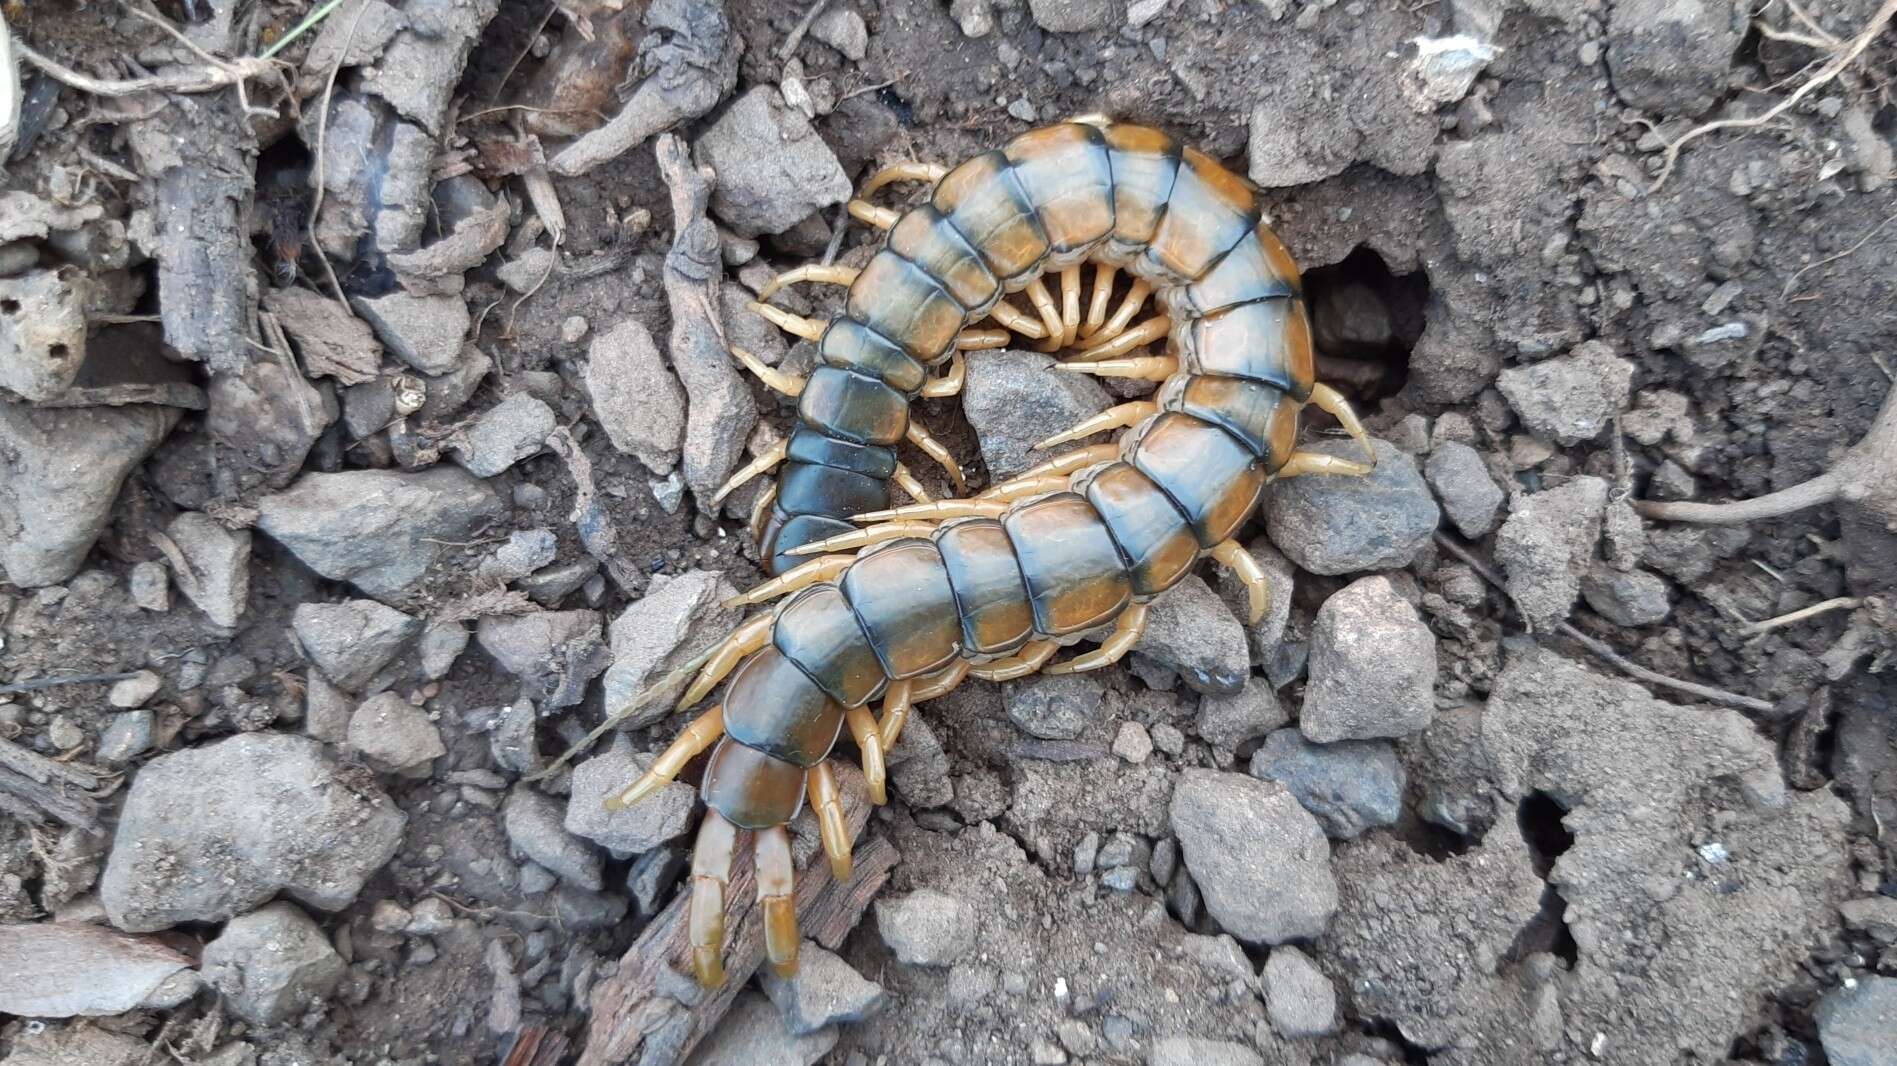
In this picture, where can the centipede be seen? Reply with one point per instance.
(897, 606)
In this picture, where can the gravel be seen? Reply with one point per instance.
(1074, 16)
(60, 969)
(504, 434)
(636, 398)
(534, 825)
(1298, 997)
(1259, 858)
(1190, 631)
(926, 927)
(555, 654)
(1197, 1051)
(271, 964)
(1342, 525)
(134, 691)
(1570, 399)
(212, 831)
(664, 815)
(754, 1033)
(126, 737)
(1548, 543)
(677, 619)
(350, 642)
(1469, 495)
(1350, 786)
(395, 736)
(1057, 707)
(1227, 720)
(1858, 1026)
(773, 169)
(423, 331)
(42, 332)
(1014, 402)
(1626, 597)
(1671, 59)
(440, 645)
(379, 530)
(216, 572)
(826, 991)
(1372, 666)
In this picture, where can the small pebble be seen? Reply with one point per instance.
(1133, 743)
(573, 330)
(134, 690)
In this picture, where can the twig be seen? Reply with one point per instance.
(796, 37)
(243, 94)
(203, 80)
(1862, 241)
(1839, 61)
(303, 27)
(1612, 657)
(1839, 603)
(322, 135)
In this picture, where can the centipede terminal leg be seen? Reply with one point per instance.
(902, 476)
(1028, 660)
(1021, 490)
(827, 273)
(827, 802)
(1333, 403)
(1064, 463)
(869, 746)
(909, 171)
(869, 214)
(807, 328)
(712, 856)
(776, 888)
(1121, 417)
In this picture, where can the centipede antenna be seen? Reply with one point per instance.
(1146, 367)
(827, 273)
(862, 538)
(1145, 333)
(800, 576)
(1121, 417)
(808, 329)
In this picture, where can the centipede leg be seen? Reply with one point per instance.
(1139, 336)
(1021, 664)
(937, 511)
(950, 383)
(869, 746)
(1065, 463)
(935, 450)
(1043, 302)
(759, 510)
(712, 856)
(1130, 306)
(1332, 402)
(910, 485)
(1132, 623)
(934, 686)
(1013, 318)
(1126, 414)
(1103, 277)
(1021, 490)
(801, 576)
(1144, 368)
(807, 328)
(830, 273)
(821, 789)
(1069, 304)
(766, 459)
(1246, 569)
(743, 640)
(880, 217)
(909, 171)
(777, 380)
(693, 739)
(1303, 463)
(776, 887)
(863, 538)
(975, 339)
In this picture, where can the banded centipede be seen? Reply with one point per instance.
(986, 587)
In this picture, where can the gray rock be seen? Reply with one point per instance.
(976, 18)
(551, 586)
(1298, 997)
(653, 636)
(826, 991)
(60, 470)
(664, 815)
(77, 1045)
(1875, 915)
(125, 737)
(134, 691)
(150, 586)
(271, 964)
(580, 911)
(773, 169)
(1626, 597)
(1056, 707)
(526, 551)
(1014, 402)
(1342, 525)
(42, 332)
(1190, 631)
(843, 30)
(754, 1033)
(60, 969)
(1133, 743)
(1227, 720)
(441, 644)
(423, 331)
(926, 927)
(1074, 16)
(1198, 1051)
(1671, 59)
(919, 768)
(212, 831)
(636, 398)
(1858, 1026)
(1372, 667)
(395, 735)
(267, 417)
(504, 434)
(651, 878)
(379, 530)
(1349, 786)
(326, 709)
(1569, 399)
(513, 741)
(1548, 543)
(214, 568)
(555, 654)
(1470, 496)
(1259, 858)
(533, 823)
(350, 642)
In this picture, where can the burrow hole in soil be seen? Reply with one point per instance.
(1540, 819)
(1365, 319)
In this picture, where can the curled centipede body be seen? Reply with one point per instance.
(988, 587)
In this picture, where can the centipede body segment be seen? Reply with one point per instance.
(987, 586)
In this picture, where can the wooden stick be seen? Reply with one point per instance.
(34, 788)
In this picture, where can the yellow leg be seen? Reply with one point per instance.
(935, 450)
(1303, 463)
(820, 785)
(808, 329)
(758, 509)
(938, 511)
(788, 384)
(1021, 664)
(1121, 417)
(801, 576)
(1145, 333)
(1069, 304)
(974, 339)
(869, 744)
(1013, 318)
(868, 213)
(948, 384)
(776, 897)
(1126, 634)
(934, 686)
(897, 702)
(1103, 276)
(693, 739)
(1240, 562)
(1062, 464)
(712, 855)
(1043, 302)
(743, 640)
(863, 538)
(766, 459)
(912, 171)
(1332, 402)
(1021, 490)
(1135, 298)
(831, 274)
(910, 485)
(1146, 367)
